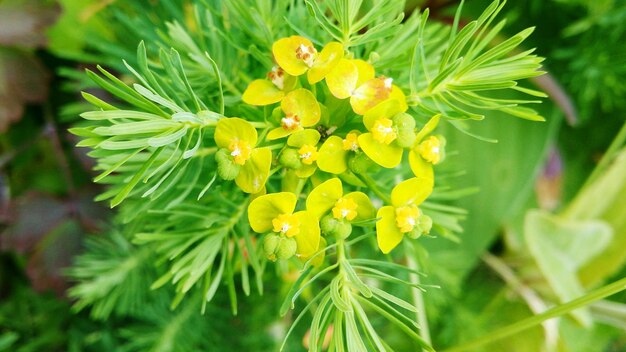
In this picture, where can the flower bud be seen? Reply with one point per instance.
(226, 167)
(405, 127)
(374, 56)
(290, 158)
(360, 163)
(270, 245)
(286, 248)
(330, 226)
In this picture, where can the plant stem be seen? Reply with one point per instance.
(418, 297)
(559, 310)
(374, 187)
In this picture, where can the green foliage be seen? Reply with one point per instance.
(183, 249)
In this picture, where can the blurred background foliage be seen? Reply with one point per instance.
(540, 186)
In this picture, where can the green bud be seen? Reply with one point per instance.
(277, 114)
(425, 223)
(290, 158)
(423, 227)
(360, 163)
(405, 127)
(374, 56)
(330, 226)
(226, 168)
(270, 245)
(287, 248)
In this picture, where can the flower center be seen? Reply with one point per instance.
(430, 150)
(290, 122)
(383, 132)
(351, 142)
(240, 151)
(307, 54)
(345, 208)
(308, 154)
(277, 76)
(287, 224)
(406, 217)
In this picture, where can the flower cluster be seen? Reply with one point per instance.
(329, 135)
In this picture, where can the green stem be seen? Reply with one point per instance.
(300, 186)
(557, 311)
(374, 187)
(418, 297)
(256, 124)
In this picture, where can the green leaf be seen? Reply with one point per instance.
(560, 247)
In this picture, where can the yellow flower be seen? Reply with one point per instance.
(345, 208)
(308, 154)
(240, 138)
(275, 212)
(378, 143)
(351, 142)
(297, 55)
(354, 79)
(306, 142)
(402, 215)
(328, 196)
(426, 153)
(431, 150)
(333, 154)
(301, 110)
(271, 90)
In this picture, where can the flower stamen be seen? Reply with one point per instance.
(287, 224)
(351, 142)
(290, 122)
(277, 76)
(345, 208)
(308, 154)
(307, 54)
(406, 217)
(383, 132)
(240, 151)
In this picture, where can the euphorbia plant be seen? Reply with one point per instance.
(315, 151)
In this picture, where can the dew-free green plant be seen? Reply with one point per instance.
(255, 140)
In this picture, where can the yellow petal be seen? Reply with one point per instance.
(306, 171)
(370, 94)
(280, 132)
(319, 257)
(342, 80)
(323, 197)
(234, 129)
(411, 192)
(385, 155)
(420, 167)
(284, 51)
(327, 59)
(302, 103)
(388, 235)
(262, 92)
(428, 128)
(332, 157)
(264, 209)
(300, 138)
(398, 94)
(308, 239)
(255, 171)
(387, 109)
(366, 71)
(365, 210)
